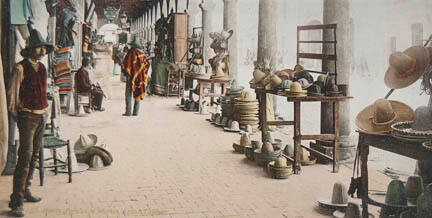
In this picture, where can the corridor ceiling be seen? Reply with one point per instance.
(133, 8)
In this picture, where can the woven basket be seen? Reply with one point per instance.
(263, 159)
(249, 152)
(238, 148)
(279, 172)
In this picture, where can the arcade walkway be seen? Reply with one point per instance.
(171, 163)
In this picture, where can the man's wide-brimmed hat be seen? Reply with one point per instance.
(338, 200)
(378, 117)
(35, 40)
(406, 67)
(353, 210)
(419, 128)
(84, 142)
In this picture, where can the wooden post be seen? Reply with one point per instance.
(297, 139)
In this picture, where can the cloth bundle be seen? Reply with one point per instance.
(62, 68)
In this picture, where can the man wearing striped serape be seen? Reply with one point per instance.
(135, 67)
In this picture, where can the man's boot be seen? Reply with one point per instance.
(17, 211)
(31, 198)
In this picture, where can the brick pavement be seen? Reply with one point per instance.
(171, 163)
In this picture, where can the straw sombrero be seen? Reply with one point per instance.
(378, 117)
(84, 142)
(406, 67)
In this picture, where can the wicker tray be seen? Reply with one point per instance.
(279, 172)
(263, 159)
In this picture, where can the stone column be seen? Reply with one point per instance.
(417, 33)
(230, 23)
(337, 11)
(267, 44)
(206, 29)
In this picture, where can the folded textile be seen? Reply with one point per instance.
(65, 88)
(62, 67)
(62, 50)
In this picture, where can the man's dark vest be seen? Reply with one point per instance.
(82, 81)
(33, 89)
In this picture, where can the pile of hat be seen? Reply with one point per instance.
(244, 141)
(402, 201)
(246, 110)
(86, 150)
(419, 129)
(227, 101)
(279, 169)
(190, 105)
(268, 152)
(249, 150)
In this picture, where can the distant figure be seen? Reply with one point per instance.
(135, 67)
(84, 85)
(27, 93)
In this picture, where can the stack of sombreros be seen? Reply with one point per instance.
(244, 141)
(418, 130)
(295, 90)
(246, 110)
(227, 101)
(279, 168)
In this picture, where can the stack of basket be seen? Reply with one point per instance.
(246, 111)
(227, 101)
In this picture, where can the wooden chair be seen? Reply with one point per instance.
(81, 99)
(174, 82)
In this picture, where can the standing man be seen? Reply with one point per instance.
(27, 95)
(135, 66)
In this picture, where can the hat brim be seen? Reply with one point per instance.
(421, 54)
(364, 122)
(26, 52)
(231, 130)
(326, 203)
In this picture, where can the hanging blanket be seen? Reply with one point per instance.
(135, 66)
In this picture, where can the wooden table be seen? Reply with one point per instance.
(298, 137)
(212, 94)
(388, 143)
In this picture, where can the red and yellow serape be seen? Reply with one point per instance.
(135, 66)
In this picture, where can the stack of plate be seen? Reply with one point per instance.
(246, 112)
(227, 101)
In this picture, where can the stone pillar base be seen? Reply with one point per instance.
(347, 149)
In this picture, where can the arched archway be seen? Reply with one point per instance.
(109, 32)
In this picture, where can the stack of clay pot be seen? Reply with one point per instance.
(246, 111)
(227, 101)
